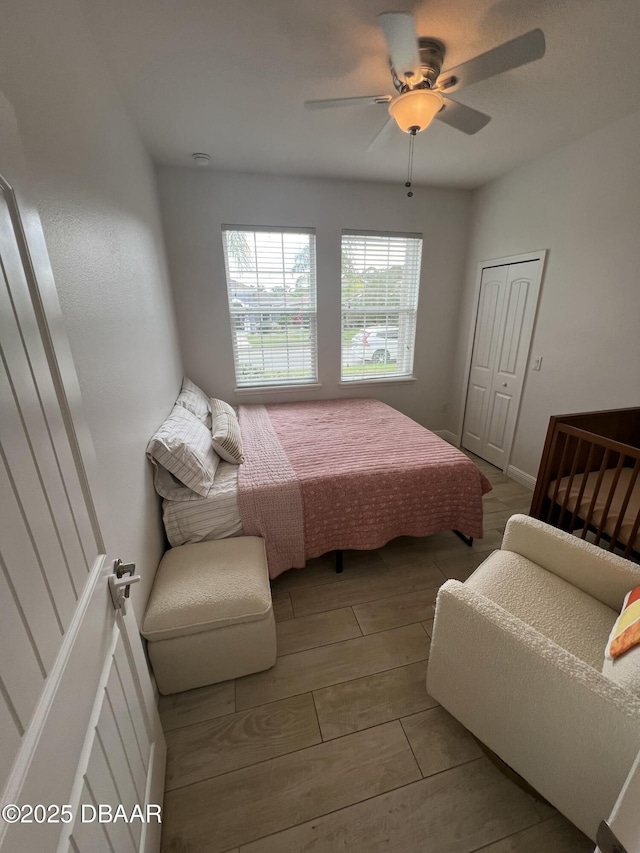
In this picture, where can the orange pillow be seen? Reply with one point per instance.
(626, 631)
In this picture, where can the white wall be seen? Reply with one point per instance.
(582, 203)
(196, 203)
(95, 189)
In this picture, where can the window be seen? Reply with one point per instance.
(380, 283)
(271, 283)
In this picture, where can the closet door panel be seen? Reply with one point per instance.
(506, 312)
(485, 347)
(521, 298)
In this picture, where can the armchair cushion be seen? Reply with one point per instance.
(624, 671)
(562, 612)
(597, 572)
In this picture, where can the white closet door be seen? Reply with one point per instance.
(78, 721)
(504, 325)
(485, 346)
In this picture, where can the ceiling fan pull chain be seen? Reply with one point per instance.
(412, 136)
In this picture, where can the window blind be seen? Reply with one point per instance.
(380, 284)
(271, 284)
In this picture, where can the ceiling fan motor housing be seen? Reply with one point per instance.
(431, 58)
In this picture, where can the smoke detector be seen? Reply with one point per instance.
(201, 159)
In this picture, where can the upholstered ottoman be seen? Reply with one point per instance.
(209, 616)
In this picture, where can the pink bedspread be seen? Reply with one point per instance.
(369, 474)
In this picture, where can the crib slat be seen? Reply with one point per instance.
(592, 503)
(625, 502)
(567, 491)
(583, 484)
(558, 475)
(607, 506)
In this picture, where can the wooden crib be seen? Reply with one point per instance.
(589, 482)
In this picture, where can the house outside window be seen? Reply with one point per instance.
(380, 285)
(271, 286)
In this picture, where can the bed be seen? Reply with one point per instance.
(332, 475)
(589, 478)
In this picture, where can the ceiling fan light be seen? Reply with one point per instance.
(416, 108)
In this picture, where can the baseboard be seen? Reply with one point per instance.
(521, 477)
(451, 437)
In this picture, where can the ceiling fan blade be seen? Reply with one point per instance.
(512, 54)
(347, 102)
(462, 117)
(400, 34)
(384, 136)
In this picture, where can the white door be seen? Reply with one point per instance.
(504, 323)
(78, 721)
(624, 821)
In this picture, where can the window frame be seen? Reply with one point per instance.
(387, 316)
(261, 307)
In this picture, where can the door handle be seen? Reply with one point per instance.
(120, 583)
(607, 841)
(504, 384)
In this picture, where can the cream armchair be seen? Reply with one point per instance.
(517, 657)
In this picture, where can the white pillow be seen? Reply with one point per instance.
(195, 401)
(226, 438)
(182, 445)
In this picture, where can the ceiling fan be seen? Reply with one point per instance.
(416, 65)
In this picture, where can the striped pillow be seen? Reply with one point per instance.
(182, 445)
(195, 401)
(168, 487)
(219, 407)
(626, 631)
(226, 438)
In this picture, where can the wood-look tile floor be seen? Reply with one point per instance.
(339, 747)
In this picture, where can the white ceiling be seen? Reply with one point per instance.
(229, 78)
